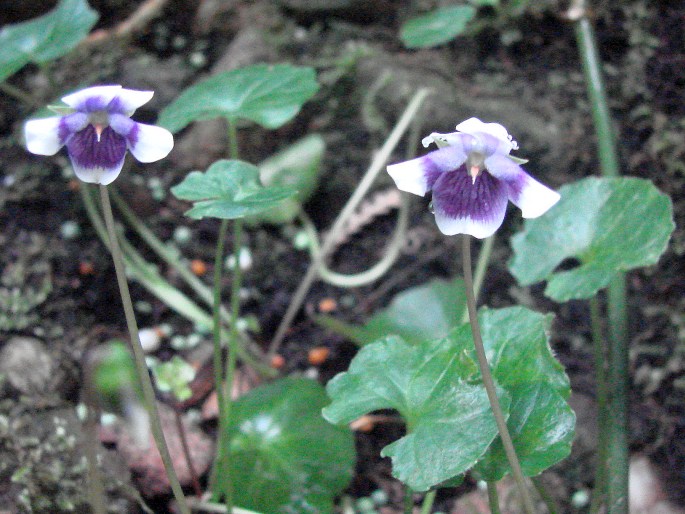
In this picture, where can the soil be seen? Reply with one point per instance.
(58, 296)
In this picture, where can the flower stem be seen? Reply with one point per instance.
(139, 355)
(600, 361)
(618, 385)
(374, 169)
(428, 501)
(488, 381)
(493, 497)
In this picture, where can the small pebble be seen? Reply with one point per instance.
(182, 235)
(245, 259)
(150, 339)
(70, 230)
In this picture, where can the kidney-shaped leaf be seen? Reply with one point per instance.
(45, 38)
(435, 386)
(608, 225)
(283, 455)
(269, 95)
(437, 27)
(449, 423)
(228, 190)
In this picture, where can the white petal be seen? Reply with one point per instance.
(535, 199)
(42, 136)
(442, 140)
(102, 176)
(131, 99)
(474, 126)
(478, 229)
(151, 143)
(409, 176)
(106, 93)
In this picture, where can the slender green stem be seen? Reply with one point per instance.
(218, 361)
(618, 378)
(481, 268)
(374, 169)
(18, 94)
(139, 355)
(488, 381)
(428, 501)
(493, 497)
(550, 502)
(96, 489)
(600, 362)
(408, 500)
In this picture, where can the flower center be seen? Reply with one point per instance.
(99, 120)
(475, 164)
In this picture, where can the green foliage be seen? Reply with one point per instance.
(114, 375)
(283, 455)
(228, 190)
(437, 27)
(608, 224)
(421, 313)
(435, 386)
(269, 95)
(174, 376)
(298, 166)
(46, 38)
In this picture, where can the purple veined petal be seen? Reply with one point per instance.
(149, 143)
(418, 175)
(97, 162)
(464, 207)
(43, 136)
(91, 99)
(128, 100)
(533, 198)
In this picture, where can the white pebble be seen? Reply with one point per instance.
(150, 339)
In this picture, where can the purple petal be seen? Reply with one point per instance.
(92, 99)
(529, 195)
(128, 100)
(147, 143)
(419, 175)
(464, 207)
(97, 161)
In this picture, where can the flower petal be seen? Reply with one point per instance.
(464, 207)
(128, 100)
(418, 175)
(42, 136)
(92, 99)
(529, 195)
(149, 143)
(97, 161)
(474, 127)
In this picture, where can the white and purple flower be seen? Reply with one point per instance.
(97, 132)
(472, 178)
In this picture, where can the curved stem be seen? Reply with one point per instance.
(493, 498)
(488, 381)
(428, 501)
(376, 166)
(139, 354)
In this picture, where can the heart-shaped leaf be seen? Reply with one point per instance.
(45, 38)
(228, 190)
(269, 95)
(435, 386)
(297, 166)
(421, 313)
(449, 423)
(283, 455)
(608, 224)
(436, 27)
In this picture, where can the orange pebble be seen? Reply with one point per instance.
(277, 361)
(74, 185)
(198, 267)
(318, 355)
(363, 424)
(86, 268)
(327, 305)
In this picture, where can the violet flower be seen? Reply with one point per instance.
(97, 131)
(472, 177)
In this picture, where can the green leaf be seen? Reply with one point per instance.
(436, 387)
(174, 376)
(428, 311)
(437, 27)
(297, 166)
(449, 423)
(114, 373)
(45, 38)
(228, 190)
(269, 95)
(283, 456)
(609, 225)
